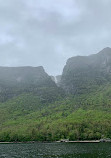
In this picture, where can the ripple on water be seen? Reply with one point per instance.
(56, 150)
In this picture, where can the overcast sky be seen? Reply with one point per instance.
(48, 32)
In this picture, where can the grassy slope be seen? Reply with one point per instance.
(26, 117)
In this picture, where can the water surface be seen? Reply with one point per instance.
(56, 150)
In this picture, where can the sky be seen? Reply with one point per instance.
(48, 32)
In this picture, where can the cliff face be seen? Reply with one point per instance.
(18, 80)
(85, 73)
(82, 74)
(16, 76)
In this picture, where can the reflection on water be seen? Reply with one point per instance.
(56, 150)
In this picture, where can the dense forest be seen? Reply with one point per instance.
(39, 110)
(26, 118)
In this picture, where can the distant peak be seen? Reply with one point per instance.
(106, 49)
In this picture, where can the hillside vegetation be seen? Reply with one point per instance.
(45, 112)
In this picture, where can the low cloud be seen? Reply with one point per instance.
(48, 32)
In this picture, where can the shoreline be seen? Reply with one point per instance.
(31, 142)
(81, 141)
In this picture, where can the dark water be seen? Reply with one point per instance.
(56, 150)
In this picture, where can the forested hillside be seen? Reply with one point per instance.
(33, 107)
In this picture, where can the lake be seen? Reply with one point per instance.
(56, 150)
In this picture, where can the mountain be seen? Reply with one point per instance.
(17, 80)
(83, 74)
(34, 108)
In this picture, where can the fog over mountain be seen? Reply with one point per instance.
(83, 74)
(77, 106)
(48, 32)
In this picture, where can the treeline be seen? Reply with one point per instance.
(80, 125)
(89, 130)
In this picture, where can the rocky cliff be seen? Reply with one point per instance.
(86, 73)
(18, 80)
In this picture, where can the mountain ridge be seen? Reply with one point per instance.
(78, 108)
(93, 69)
